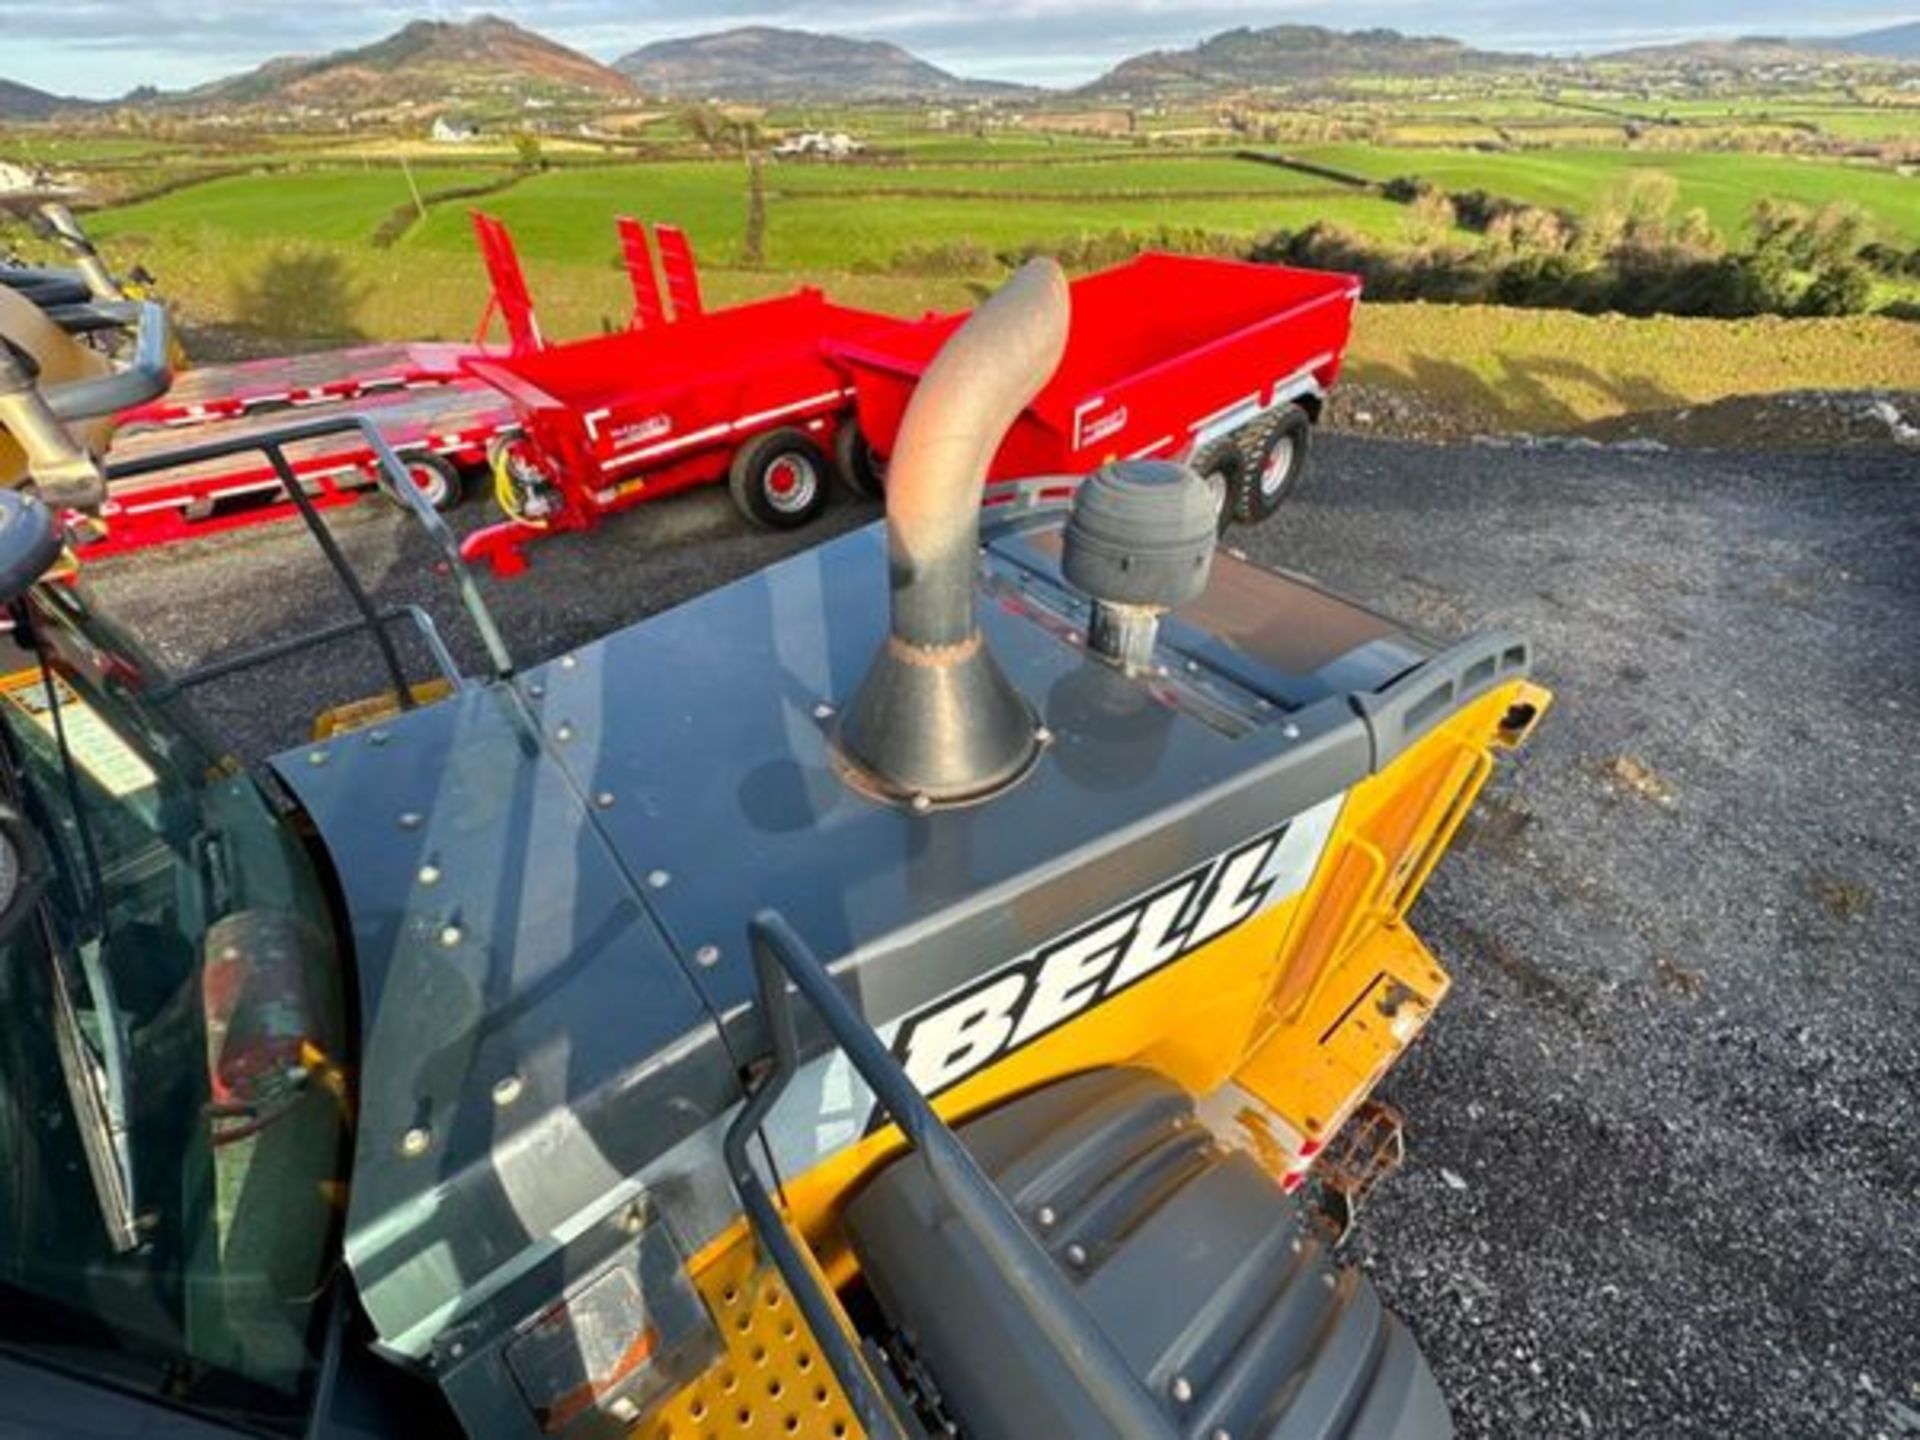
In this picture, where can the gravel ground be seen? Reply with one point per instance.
(1662, 1177)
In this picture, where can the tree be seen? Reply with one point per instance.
(1761, 281)
(526, 151)
(1777, 224)
(703, 123)
(1530, 230)
(1645, 200)
(1841, 289)
(1429, 217)
(1695, 232)
(1834, 235)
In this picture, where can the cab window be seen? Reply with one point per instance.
(173, 1115)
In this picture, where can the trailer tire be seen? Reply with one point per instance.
(860, 468)
(779, 479)
(1276, 459)
(1221, 465)
(436, 477)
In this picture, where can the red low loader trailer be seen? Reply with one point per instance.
(424, 403)
(439, 436)
(325, 377)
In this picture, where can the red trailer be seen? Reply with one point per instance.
(438, 436)
(245, 387)
(433, 412)
(684, 397)
(1215, 362)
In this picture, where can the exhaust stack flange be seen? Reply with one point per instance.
(936, 721)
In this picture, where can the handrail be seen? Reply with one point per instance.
(1032, 1279)
(146, 377)
(222, 669)
(875, 1415)
(393, 479)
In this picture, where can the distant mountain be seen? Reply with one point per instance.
(1247, 59)
(425, 60)
(760, 62)
(1747, 52)
(23, 102)
(1895, 42)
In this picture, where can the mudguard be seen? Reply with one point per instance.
(1202, 1272)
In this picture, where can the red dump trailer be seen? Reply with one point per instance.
(1215, 362)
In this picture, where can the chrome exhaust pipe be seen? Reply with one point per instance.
(936, 721)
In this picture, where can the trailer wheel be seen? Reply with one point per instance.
(862, 470)
(779, 479)
(1276, 458)
(1221, 465)
(435, 477)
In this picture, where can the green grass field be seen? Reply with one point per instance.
(1146, 174)
(566, 215)
(1725, 186)
(1827, 111)
(994, 145)
(1887, 123)
(48, 147)
(335, 206)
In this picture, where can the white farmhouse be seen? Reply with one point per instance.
(835, 146)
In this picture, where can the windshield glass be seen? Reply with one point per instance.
(172, 1113)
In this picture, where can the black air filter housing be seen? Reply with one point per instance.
(1141, 533)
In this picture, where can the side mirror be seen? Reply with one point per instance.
(24, 869)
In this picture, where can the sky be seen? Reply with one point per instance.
(103, 48)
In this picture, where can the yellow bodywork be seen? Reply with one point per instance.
(1297, 1013)
(373, 709)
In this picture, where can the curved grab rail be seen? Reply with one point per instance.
(147, 378)
(1084, 1350)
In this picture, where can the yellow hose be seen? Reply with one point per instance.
(504, 494)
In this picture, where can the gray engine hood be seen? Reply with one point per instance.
(549, 881)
